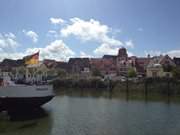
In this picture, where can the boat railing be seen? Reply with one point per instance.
(22, 81)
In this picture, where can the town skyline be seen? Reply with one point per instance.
(61, 31)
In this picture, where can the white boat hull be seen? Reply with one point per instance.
(25, 96)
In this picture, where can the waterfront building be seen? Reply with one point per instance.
(79, 65)
(36, 72)
(176, 61)
(160, 66)
(105, 66)
(108, 65)
(141, 64)
(7, 67)
(124, 63)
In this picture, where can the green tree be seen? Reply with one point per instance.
(176, 72)
(61, 73)
(131, 72)
(96, 72)
(167, 68)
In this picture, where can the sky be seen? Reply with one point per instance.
(61, 29)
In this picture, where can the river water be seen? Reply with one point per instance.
(88, 112)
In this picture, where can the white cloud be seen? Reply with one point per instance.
(11, 55)
(8, 42)
(31, 34)
(10, 35)
(106, 49)
(53, 33)
(56, 20)
(153, 52)
(84, 55)
(129, 44)
(89, 30)
(93, 30)
(174, 53)
(130, 54)
(171, 53)
(57, 50)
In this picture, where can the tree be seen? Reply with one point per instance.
(167, 68)
(176, 72)
(96, 72)
(131, 72)
(61, 73)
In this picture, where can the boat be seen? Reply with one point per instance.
(21, 96)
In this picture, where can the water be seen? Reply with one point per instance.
(98, 113)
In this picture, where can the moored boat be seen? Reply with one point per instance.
(28, 95)
(22, 96)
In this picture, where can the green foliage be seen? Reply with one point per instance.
(176, 72)
(167, 68)
(39, 72)
(51, 72)
(96, 72)
(131, 72)
(61, 73)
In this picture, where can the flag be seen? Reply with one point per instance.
(32, 59)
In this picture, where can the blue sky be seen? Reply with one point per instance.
(79, 28)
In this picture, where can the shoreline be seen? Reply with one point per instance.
(145, 86)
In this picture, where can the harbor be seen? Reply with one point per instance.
(89, 67)
(94, 112)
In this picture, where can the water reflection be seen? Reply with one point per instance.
(27, 114)
(26, 122)
(130, 96)
(97, 112)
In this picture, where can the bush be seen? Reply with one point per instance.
(132, 72)
(96, 72)
(176, 73)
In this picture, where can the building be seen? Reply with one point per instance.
(114, 64)
(141, 64)
(36, 73)
(79, 65)
(160, 66)
(62, 66)
(104, 65)
(176, 61)
(7, 67)
(155, 70)
(123, 62)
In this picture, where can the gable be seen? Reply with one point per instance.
(166, 60)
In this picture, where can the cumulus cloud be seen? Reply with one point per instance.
(129, 44)
(89, 30)
(57, 50)
(153, 52)
(174, 53)
(53, 33)
(93, 30)
(56, 20)
(106, 49)
(11, 55)
(130, 54)
(8, 42)
(31, 34)
(84, 55)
